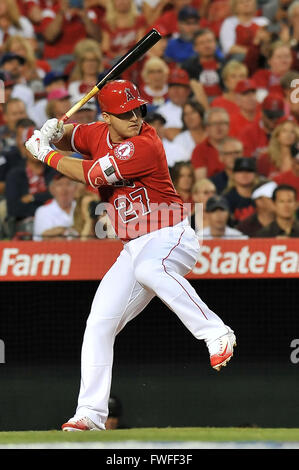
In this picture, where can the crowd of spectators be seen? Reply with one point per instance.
(222, 87)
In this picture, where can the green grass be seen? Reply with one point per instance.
(155, 434)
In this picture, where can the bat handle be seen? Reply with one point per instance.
(63, 119)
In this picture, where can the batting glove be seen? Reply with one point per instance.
(38, 145)
(53, 130)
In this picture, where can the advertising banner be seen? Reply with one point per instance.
(90, 260)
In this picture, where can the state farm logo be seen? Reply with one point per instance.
(124, 151)
(46, 264)
(215, 261)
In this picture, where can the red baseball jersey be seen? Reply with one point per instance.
(132, 177)
(206, 155)
(255, 139)
(264, 78)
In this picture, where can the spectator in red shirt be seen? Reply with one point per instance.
(214, 13)
(122, 27)
(167, 24)
(291, 177)
(62, 27)
(205, 66)
(280, 61)
(237, 32)
(205, 156)
(256, 135)
(154, 9)
(278, 157)
(155, 82)
(248, 107)
(231, 74)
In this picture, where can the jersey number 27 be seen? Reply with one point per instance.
(125, 205)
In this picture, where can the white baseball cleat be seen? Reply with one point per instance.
(221, 349)
(80, 424)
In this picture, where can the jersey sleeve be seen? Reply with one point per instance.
(82, 137)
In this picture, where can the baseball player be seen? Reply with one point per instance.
(125, 160)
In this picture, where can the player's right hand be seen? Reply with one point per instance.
(53, 130)
(38, 145)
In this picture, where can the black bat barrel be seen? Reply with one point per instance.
(148, 41)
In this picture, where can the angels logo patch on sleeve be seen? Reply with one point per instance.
(124, 151)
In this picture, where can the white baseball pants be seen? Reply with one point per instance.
(154, 264)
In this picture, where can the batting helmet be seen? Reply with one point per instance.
(120, 96)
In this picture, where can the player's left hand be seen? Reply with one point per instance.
(53, 130)
(38, 145)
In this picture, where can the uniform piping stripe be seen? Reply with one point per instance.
(72, 139)
(164, 259)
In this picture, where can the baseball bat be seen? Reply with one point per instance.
(142, 46)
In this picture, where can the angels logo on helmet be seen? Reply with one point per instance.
(129, 94)
(125, 150)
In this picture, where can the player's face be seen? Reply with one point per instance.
(125, 125)
(285, 204)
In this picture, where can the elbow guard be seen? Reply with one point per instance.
(102, 171)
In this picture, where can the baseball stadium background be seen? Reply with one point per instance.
(161, 372)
